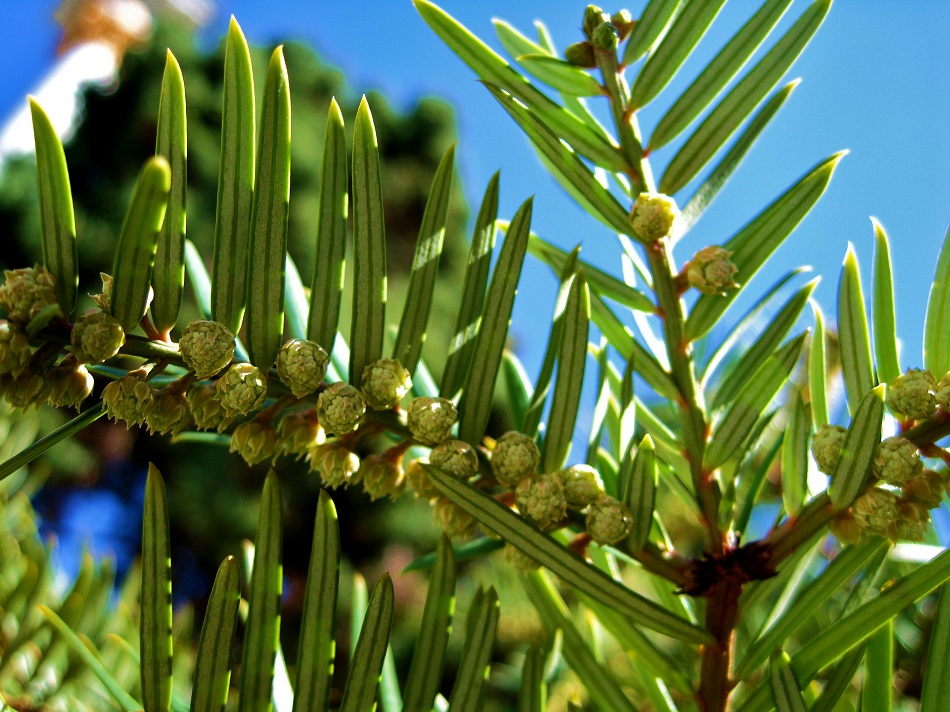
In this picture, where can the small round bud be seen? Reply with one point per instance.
(582, 486)
(876, 510)
(605, 37)
(456, 457)
(104, 298)
(912, 394)
(896, 460)
(206, 347)
(69, 384)
(302, 366)
(654, 216)
(335, 464)
(207, 411)
(520, 560)
(255, 441)
(453, 520)
(608, 520)
(385, 382)
(515, 457)
(942, 392)
(624, 22)
(710, 271)
(169, 413)
(926, 490)
(241, 389)
(581, 54)
(845, 528)
(381, 477)
(431, 419)
(299, 433)
(128, 399)
(26, 292)
(15, 353)
(96, 337)
(594, 17)
(340, 408)
(29, 388)
(419, 482)
(541, 499)
(826, 447)
(912, 523)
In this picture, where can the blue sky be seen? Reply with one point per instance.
(876, 80)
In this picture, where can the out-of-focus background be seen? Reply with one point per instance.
(876, 80)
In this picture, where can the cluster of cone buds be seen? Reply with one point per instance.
(27, 377)
(898, 505)
(916, 394)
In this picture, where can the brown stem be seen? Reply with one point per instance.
(722, 612)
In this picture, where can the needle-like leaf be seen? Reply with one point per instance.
(269, 213)
(786, 690)
(936, 689)
(857, 453)
(885, 325)
(213, 659)
(232, 225)
(369, 249)
(363, 680)
(560, 75)
(57, 219)
(326, 289)
(172, 143)
(654, 22)
(155, 623)
(481, 626)
(854, 341)
(937, 324)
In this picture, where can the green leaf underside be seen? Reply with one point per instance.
(663, 63)
(845, 565)
(936, 689)
(155, 624)
(367, 662)
(57, 219)
(571, 360)
(542, 385)
(232, 226)
(518, 387)
(533, 693)
(481, 625)
(560, 75)
(428, 656)
(172, 143)
(574, 174)
(642, 495)
(64, 432)
(717, 74)
(369, 249)
(786, 690)
(877, 685)
(795, 455)
(91, 658)
(937, 324)
(262, 631)
(852, 629)
(741, 101)
(754, 243)
(601, 685)
(857, 453)
(475, 405)
(562, 562)
(296, 304)
(326, 288)
(599, 281)
(718, 176)
(314, 674)
(857, 364)
(653, 24)
(425, 267)
(515, 43)
(756, 354)
(213, 659)
(473, 293)
(269, 213)
(817, 381)
(750, 402)
(492, 68)
(135, 250)
(620, 338)
(885, 325)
